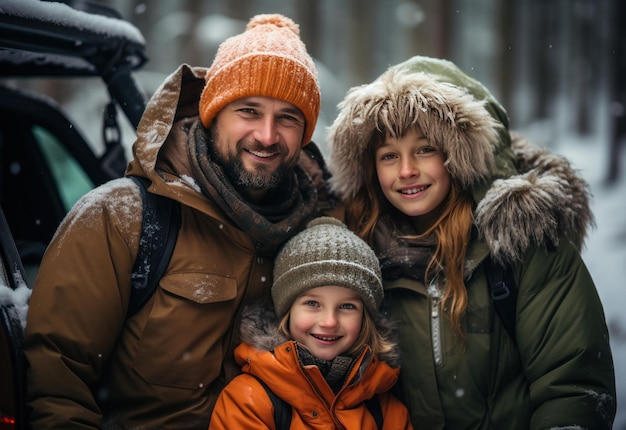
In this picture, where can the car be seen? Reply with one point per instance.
(47, 161)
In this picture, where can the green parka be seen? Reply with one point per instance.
(90, 366)
(531, 214)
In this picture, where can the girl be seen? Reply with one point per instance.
(447, 197)
(321, 348)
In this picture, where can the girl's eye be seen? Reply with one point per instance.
(427, 150)
(311, 303)
(385, 157)
(347, 306)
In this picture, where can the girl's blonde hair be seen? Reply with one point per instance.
(452, 230)
(370, 334)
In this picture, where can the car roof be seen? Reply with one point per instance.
(73, 38)
(60, 39)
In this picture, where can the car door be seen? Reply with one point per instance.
(46, 163)
(13, 295)
(45, 167)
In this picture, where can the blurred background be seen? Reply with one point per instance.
(558, 67)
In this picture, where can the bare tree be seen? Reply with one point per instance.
(618, 95)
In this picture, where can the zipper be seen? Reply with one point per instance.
(434, 300)
(313, 385)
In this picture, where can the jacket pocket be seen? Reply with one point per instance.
(181, 344)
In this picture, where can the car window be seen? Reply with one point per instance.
(69, 177)
(46, 165)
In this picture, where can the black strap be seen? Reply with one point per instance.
(159, 230)
(373, 405)
(503, 293)
(282, 410)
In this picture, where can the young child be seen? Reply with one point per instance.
(322, 347)
(438, 186)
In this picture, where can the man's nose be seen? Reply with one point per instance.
(266, 133)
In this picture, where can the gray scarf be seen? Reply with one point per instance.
(270, 224)
(402, 254)
(335, 371)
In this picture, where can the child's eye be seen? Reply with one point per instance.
(385, 157)
(311, 303)
(347, 306)
(427, 150)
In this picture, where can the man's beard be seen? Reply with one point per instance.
(262, 178)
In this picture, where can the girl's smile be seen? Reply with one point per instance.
(326, 320)
(412, 174)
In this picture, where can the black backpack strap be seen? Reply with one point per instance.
(373, 405)
(503, 293)
(282, 410)
(159, 230)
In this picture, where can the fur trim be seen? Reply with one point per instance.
(449, 117)
(259, 328)
(546, 200)
(526, 195)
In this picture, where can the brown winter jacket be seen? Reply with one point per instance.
(162, 367)
(268, 355)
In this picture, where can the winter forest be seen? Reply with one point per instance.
(558, 67)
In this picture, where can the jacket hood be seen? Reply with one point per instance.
(259, 328)
(168, 117)
(547, 200)
(524, 194)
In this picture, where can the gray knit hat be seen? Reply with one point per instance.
(326, 253)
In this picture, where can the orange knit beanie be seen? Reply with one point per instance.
(268, 59)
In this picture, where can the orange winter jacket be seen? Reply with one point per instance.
(244, 403)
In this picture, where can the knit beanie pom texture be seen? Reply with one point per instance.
(273, 19)
(268, 59)
(326, 253)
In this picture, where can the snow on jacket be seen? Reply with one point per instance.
(268, 355)
(160, 368)
(532, 213)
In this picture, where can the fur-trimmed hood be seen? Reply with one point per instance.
(259, 328)
(524, 194)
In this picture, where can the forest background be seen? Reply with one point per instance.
(558, 67)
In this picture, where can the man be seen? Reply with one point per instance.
(226, 143)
